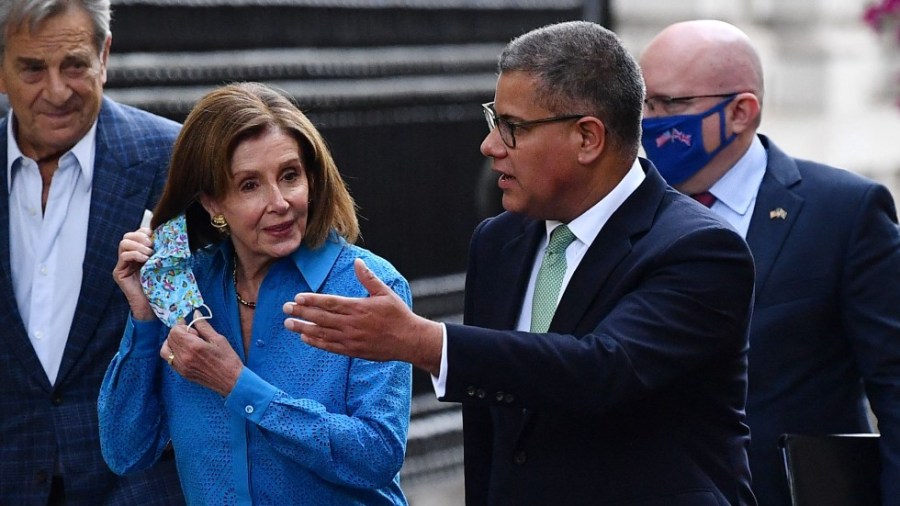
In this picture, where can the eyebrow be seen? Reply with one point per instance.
(75, 58)
(27, 60)
(509, 117)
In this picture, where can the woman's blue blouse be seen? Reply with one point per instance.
(301, 426)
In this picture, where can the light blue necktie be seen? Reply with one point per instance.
(550, 278)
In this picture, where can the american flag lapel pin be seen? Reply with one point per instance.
(779, 213)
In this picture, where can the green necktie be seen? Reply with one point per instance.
(549, 279)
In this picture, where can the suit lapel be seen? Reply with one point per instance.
(119, 192)
(777, 209)
(14, 336)
(519, 258)
(612, 245)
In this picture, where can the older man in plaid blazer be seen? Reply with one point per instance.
(79, 170)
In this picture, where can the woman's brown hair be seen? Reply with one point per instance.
(201, 162)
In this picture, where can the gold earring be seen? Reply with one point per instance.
(218, 221)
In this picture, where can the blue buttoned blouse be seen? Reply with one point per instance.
(301, 426)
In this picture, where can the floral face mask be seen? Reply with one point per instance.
(167, 278)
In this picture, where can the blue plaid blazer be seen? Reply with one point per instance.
(39, 421)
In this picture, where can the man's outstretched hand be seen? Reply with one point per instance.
(379, 327)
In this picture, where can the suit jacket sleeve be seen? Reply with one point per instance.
(870, 305)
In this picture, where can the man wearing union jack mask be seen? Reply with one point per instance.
(825, 332)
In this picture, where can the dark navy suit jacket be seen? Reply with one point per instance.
(826, 324)
(40, 421)
(636, 396)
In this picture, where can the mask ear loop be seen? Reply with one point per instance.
(202, 316)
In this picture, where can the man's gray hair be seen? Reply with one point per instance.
(583, 68)
(17, 14)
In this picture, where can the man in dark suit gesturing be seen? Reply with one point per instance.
(606, 367)
(825, 330)
(78, 172)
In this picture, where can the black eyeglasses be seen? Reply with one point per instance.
(673, 105)
(508, 128)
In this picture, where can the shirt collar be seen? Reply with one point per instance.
(737, 188)
(83, 151)
(314, 265)
(588, 225)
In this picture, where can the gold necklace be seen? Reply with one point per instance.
(251, 305)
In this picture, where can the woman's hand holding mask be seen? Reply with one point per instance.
(202, 355)
(134, 250)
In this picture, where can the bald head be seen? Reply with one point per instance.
(700, 58)
(712, 67)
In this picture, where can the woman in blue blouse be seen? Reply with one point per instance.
(254, 415)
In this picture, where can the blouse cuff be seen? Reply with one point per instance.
(250, 396)
(141, 338)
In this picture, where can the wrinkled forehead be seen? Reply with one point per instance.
(71, 26)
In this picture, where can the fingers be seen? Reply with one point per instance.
(369, 280)
(135, 249)
(130, 261)
(319, 307)
(331, 340)
(183, 342)
(309, 321)
(322, 310)
(167, 353)
(327, 304)
(359, 327)
(201, 327)
(303, 327)
(139, 240)
(165, 350)
(209, 363)
(326, 322)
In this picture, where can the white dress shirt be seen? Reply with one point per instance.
(735, 192)
(585, 228)
(47, 248)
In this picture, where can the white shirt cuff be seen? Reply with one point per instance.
(440, 382)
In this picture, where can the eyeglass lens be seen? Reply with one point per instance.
(504, 128)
